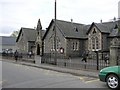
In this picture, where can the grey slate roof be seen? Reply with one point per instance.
(8, 40)
(103, 28)
(29, 33)
(73, 30)
(107, 27)
(115, 33)
(70, 29)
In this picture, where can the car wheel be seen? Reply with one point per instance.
(113, 81)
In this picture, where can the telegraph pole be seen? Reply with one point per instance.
(55, 58)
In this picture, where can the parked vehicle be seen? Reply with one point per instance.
(111, 75)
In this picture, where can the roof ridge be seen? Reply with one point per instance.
(69, 22)
(7, 36)
(27, 28)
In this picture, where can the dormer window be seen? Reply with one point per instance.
(116, 26)
(75, 28)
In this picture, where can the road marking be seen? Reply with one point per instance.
(92, 81)
(81, 78)
(88, 79)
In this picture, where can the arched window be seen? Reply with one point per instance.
(73, 46)
(58, 43)
(93, 43)
(77, 45)
(51, 43)
(97, 43)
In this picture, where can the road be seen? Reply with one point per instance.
(19, 76)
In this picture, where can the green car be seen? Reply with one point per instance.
(111, 75)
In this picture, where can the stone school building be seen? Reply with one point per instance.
(76, 38)
(30, 40)
(72, 39)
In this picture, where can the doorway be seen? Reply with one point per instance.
(38, 49)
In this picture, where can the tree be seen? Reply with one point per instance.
(15, 34)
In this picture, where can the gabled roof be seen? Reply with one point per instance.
(70, 29)
(106, 27)
(8, 40)
(80, 31)
(29, 34)
(115, 32)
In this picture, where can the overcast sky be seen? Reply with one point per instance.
(15, 14)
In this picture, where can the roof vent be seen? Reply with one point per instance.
(75, 28)
(114, 19)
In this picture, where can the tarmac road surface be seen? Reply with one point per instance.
(19, 76)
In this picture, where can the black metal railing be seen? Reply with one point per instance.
(21, 57)
(76, 62)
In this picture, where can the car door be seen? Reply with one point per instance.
(119, 70)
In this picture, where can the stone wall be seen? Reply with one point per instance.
(114, 52)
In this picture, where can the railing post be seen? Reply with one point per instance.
(97, 57)
(97, 61)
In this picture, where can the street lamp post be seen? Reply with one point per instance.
(55, 58)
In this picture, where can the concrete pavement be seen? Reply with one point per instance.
(58, 69)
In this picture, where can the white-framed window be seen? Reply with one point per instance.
(58, 43)
(75, 45)
(95, 43)
(52, 43)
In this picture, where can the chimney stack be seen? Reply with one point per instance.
(101, 21)
(71, 20)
